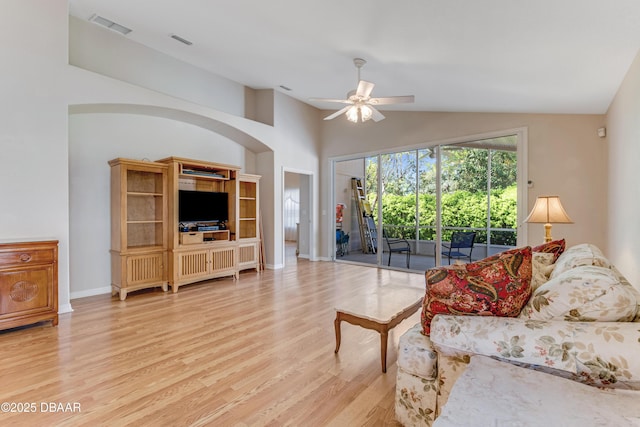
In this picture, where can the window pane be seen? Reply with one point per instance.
(399, 194)
(504, 191)
(464, 191)
(427, 197)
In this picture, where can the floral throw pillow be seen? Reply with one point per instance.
(555, 247)
(578, 255)
(585, 293)
(495, 286)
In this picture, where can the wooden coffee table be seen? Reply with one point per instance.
(381, 311)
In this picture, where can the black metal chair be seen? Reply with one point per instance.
(460, 240)
(398, 246)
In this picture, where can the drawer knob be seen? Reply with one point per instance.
(25, 257)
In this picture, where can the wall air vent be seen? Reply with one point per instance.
(181, 40)
(109, 24)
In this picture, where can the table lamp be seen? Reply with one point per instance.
(548, 210)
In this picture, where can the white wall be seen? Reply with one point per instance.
(623, 135)
(565, 157)
(33, 127)
(297, 140)
(98, 49)
(94, 139)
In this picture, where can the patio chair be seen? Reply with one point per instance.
(342, 243)
(397, 246)
(461, 241)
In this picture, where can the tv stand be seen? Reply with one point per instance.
(150, 247)
(212, 250)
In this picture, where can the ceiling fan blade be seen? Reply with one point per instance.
(376, 115)
(337, 113)
(392, 100)
(364, 89)
(341, 101)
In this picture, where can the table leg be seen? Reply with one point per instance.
(384, 335)
(336, 324)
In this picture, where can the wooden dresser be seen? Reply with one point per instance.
(28, 283)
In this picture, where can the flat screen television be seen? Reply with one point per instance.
(202, 206)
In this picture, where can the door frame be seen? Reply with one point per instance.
(306, 199)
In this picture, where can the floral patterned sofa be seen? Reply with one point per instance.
(580, 321)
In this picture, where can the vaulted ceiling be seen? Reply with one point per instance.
(544, 56)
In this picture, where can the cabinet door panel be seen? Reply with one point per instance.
(248, 254)
(223, 259)
(26, 290)
(193, 264)
(145, 268)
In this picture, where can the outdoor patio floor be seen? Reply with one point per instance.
(417, 263)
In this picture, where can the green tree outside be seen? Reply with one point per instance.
(464, 176)
(460, 209)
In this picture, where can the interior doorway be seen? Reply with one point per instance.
(296, 214)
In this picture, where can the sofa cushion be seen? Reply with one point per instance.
(541, 268)
(494, 393)
(416, 355)
(584, 293)
(555, 247)
(575, 256)
(495, 286)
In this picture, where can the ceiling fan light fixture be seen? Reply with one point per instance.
(359, 112)
(352, 114)
(365, 112)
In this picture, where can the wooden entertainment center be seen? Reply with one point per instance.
(151, 247)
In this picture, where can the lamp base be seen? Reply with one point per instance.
(547, 233)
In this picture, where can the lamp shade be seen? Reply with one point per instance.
(548, 210)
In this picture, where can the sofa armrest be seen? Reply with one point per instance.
(597, 353)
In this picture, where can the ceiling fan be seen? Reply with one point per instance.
(361, 107)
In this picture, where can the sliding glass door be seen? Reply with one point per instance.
(423, 196)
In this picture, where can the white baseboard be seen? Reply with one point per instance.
(64, 308)
(274, 266)
(91, 292)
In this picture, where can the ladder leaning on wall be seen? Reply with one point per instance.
(366, 224)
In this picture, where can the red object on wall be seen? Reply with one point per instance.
(339, 209)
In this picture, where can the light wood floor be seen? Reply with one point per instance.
(253, 352)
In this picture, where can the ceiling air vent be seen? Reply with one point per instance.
(110, 24)
(181, 40)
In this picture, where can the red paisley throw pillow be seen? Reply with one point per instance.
(495, 286)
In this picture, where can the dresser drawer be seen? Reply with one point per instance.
(26, 257)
